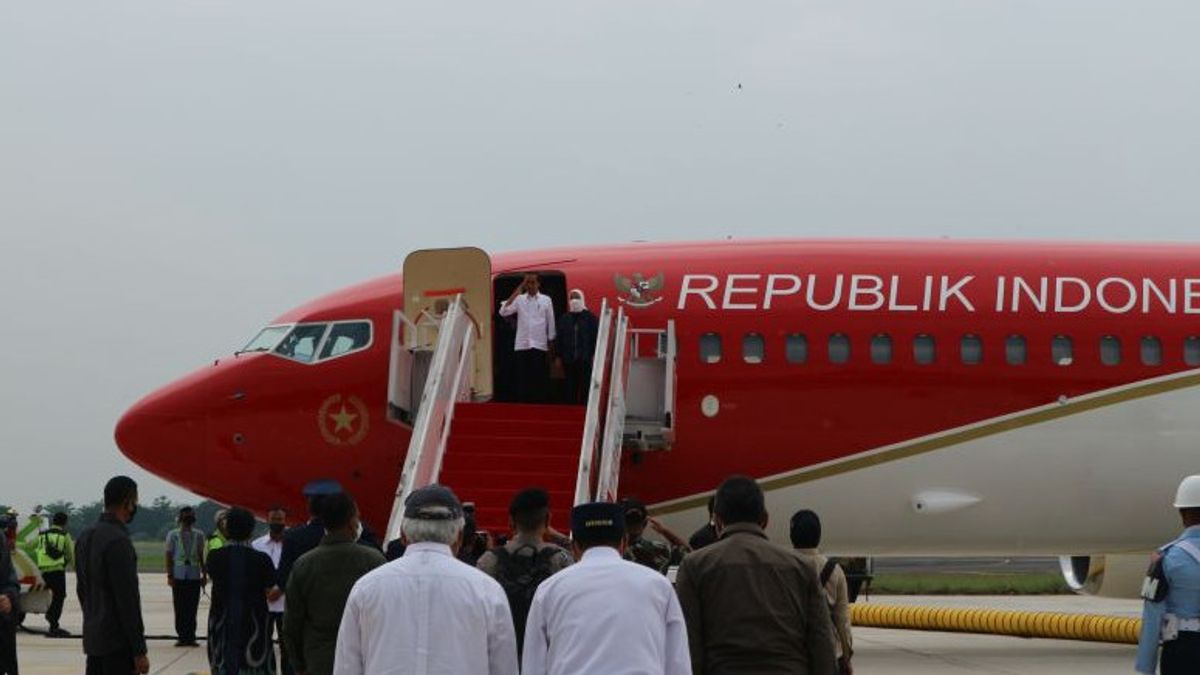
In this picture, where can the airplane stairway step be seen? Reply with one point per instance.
(533, 446)
(504, 462)
(497, 449)
(507, 419)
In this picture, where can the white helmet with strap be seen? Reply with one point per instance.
(1188, 495)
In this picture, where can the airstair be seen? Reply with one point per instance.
(487, 451)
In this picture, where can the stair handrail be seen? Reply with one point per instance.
(669, 387)
(444, 387)
(592, 419)
(614, 423)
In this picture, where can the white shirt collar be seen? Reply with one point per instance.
(430, 546)
(600, 553)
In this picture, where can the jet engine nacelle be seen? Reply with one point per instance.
(1110, 576)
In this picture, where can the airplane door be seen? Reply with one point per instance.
(432, 279)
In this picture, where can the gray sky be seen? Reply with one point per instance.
(175, 174)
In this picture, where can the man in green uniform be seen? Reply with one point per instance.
(319, 585)
(55, 551)
(653, 554)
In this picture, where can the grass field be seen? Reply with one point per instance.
(151, 556)
(956, 583)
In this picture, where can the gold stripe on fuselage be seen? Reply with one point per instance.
(921, 446)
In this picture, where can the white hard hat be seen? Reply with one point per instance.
(1188, 496)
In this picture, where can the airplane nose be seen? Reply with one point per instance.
(164, 433)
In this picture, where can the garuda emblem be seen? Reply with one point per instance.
(639, 292)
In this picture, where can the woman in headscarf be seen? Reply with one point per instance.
(576, 345)
(238, 622)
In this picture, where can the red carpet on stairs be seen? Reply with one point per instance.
(497, 449)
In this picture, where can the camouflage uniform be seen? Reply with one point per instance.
(653, 554)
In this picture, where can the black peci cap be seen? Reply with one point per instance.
(433, 502)
(597, 521)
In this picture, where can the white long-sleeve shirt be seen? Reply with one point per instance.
(606, 615)
(535, 321)
(274, 549)
(426, 614)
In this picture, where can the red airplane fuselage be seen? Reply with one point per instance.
(1024, 390)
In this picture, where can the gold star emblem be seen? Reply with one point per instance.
(351, 420)
(343, 419)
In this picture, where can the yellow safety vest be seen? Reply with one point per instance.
(215, 542)
(56, 539)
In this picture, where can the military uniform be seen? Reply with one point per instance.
(1171, 612)
(653, 554)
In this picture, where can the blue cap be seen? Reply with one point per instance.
(597, 521)
(322, 487)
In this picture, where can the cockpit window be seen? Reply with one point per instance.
(266, 339)
(345, 338)
(301, 344)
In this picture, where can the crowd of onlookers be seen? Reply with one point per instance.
(447, 598)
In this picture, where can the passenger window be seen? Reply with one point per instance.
(1015, 352)
(881, 349)
(1191, 350)
(301, 343)
(345, 338)
(710, 348)
(1062, 350)
(753, 348)
(971, 349)
(924, 349)
(839, 348)
(1110, 350)
(1151, 351)
(796, 348)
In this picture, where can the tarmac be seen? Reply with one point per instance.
(890, 652)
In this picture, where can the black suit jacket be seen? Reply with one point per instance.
(107, 584)
(296, 542)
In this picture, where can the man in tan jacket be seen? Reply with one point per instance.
(750, 605)
(806, 537)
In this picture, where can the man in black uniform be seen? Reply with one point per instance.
(10, 598)
(114, 637)
(304, 538)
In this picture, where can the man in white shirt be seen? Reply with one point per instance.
(272, 544)
(603, 614)
(427, 612)
(535, 335)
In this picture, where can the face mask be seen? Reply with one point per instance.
(276, 528)
(132, 513)
(576, 305)
(358, 530)
(187, 520)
